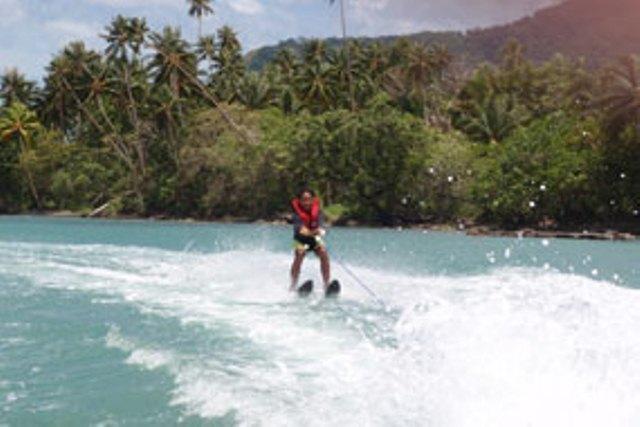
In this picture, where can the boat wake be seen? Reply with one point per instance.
(515, 346)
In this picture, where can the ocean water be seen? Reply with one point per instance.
(113, 323)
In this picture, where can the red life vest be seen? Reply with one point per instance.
(309, 219)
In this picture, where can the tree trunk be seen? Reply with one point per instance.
(27, 171)
(343, 19)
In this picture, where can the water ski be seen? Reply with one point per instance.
(333, 290)
(306, 288)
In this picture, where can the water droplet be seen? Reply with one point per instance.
(507, 253)
(546, 266)
(450, 179)
(532, 204)
(543, 187)
(594, 272)
(623, 175)
(545, 242)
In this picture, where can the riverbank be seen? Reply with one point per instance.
(595, 232)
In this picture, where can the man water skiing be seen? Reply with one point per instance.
(308, 231)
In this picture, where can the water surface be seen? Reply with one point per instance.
(145, 323)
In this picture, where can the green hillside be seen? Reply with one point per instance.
(598, 30)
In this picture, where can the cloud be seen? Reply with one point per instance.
(71, 29)
(247, 7)
(138, 3)
(13, 12)
(61, 32)
(389, 16)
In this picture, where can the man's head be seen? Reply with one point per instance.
(306, 197)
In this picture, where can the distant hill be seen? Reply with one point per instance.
(597, 30)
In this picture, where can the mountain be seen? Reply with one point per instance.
(596, 30)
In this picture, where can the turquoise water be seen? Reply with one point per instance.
(144, 323)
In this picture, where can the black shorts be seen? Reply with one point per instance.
(308, 243)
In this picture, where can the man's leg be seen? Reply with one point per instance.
(295, 267)
(325, 266)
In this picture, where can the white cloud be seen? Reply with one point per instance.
(389, 16)
(61, 32)
(247, 7)
(138, 3)
(13, 12)
(71, 29)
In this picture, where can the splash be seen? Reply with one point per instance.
(515, 346)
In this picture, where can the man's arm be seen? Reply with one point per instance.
(320, 231)
(298, 226)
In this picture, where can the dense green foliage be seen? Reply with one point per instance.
(386, 134)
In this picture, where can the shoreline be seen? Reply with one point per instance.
(595, 232)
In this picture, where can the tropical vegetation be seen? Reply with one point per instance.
(157, 125)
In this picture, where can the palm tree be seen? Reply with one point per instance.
(230, 65)
(375, 61)
(67, 81)
(343, 22)
(341, 76)
(18, 123)
(166, 107)
(287, 62)
(414, 78)
(254, 91)
(171, 60)
(314, 53)
(491, 119)
(172, 63)
(15, 87)
(621, 101)
(206, 49)
(200, 8)
(125, 38)
(315, 88)
(80, 79)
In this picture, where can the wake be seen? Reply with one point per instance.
(511, 347)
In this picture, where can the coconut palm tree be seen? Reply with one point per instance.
(206, 49)
(411, 81)
(171, 60)
(125, 38)
(19, 124)
(621, 100)
(66, 83)
(339, 69)
(315, 88)
(343, 22)
(254, 91)
(199, 9)
(174, 64)
(315, 53)
(288, 64)
(492, 119)
(229, 63)
(14, 86)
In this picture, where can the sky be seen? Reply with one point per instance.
(32, 31)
